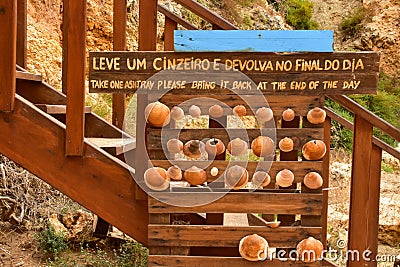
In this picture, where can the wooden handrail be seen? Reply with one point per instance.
(377, 122)
(162, 9)
(207, 14)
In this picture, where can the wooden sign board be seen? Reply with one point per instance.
(242, 72)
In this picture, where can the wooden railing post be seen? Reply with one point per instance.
(325, 174)
(360, 187)
(119, 44)
(74, 50)
(21, 32)
(169, 27)
(8, 40)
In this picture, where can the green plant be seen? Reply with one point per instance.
(131, 254)
(51, 242)
(352, 25)
(387, 168)
(59, 261)
(298, 13)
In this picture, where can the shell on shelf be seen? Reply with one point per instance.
(216, 111)
(261, 179)
(288, 115)
(316, 115)
(286, 144)
(237, 147)
(253, 248)
(195, 111)
(195, 176)
(313, 180)
(264, 114)
(157, 114)
(174, 173)
(193, 149)
(314, 150)
(174, 146)
(215, 147)
(239, 110)
(214, 171)
(263, 146)
(156, 179)
(284, 178)
(177, 113)
(236, 177)
(310, 249)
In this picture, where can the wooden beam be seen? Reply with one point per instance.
(8, 39)
(169, 27)
(184, 23)
(74, 68)
(21, 32)
(359, 196)
(22, 75)
(325, 174)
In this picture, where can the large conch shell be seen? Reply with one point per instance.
(156, 179)
(284, 178)
(174, 146)
(215, 147)
(195, 176)
(310, 249)
(314, 150)
(236, 177)
(193, 149)
(174, 173)
(261, 179)
(264, 114)
(177, 113)
(263, 146)
(286, 144)
(237, 147)
(216, 111)
(316, 115)
(157, 114)
(239, 111)
(253, 248)
(195, 111)
(288, 115)
(313, 180)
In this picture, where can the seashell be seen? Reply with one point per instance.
(237, 147)
(310, 249)
(236, 177)
(239, 110)
(177, 113)
(263, 146)
(195, 176)
(313, 180)
(288, 115)
(316, 115)
(156, 179)
(264, 114)
(195, 111)
(284, 178)
(314, 150)
(174, 173)
(286, 144)
(274, 224)
(261, 178)
(214, 171)
(253, 248)
(174, 146)
(157, 114)
(215, 147)
(193, 149)
(216, 111)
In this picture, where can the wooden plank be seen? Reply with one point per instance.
(8, 36)
(283, 203)
(168, 14)
(115, 146)
(326, 173)
(159, 219)
(359, 194)
(28, 76)
(198, 261)
(59, 109)
(300, 169)
(226, 236)
(254, 41)
(169, 27)
(40, 93)
(74, 72)
(21, 32)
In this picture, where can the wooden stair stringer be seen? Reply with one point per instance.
(97, 181)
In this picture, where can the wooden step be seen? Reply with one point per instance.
(114, 146)
(22, 75)
(58, 109)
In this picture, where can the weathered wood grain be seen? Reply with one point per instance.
(22, 7)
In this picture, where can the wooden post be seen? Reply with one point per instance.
(359, 196)
(21, 32)
(169, 28)
(119, 44)
(74, 49)
(8, 39)
(325, 174)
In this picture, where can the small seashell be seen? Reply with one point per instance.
(274, 224)
(263, 146)
(237, 147)
(284, 178)
(310, 249)
(214, 171)
(215, 147)
(261, 178)
(177, 113)
(253, 248)
(156, 179)
(236, 177)
(264, 114)
(195, 111)
(157, 114)
(174, 173)
(288, 115)
(239, 110)
(286, 144)
(174, 146)
(216, 111)
(314, 150)
(316, 115)
(193, 149)
(195, 176)
(313, 180)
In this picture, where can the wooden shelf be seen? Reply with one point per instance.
(58, 109)
(114, 146)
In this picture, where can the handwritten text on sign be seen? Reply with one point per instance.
(307, 73)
